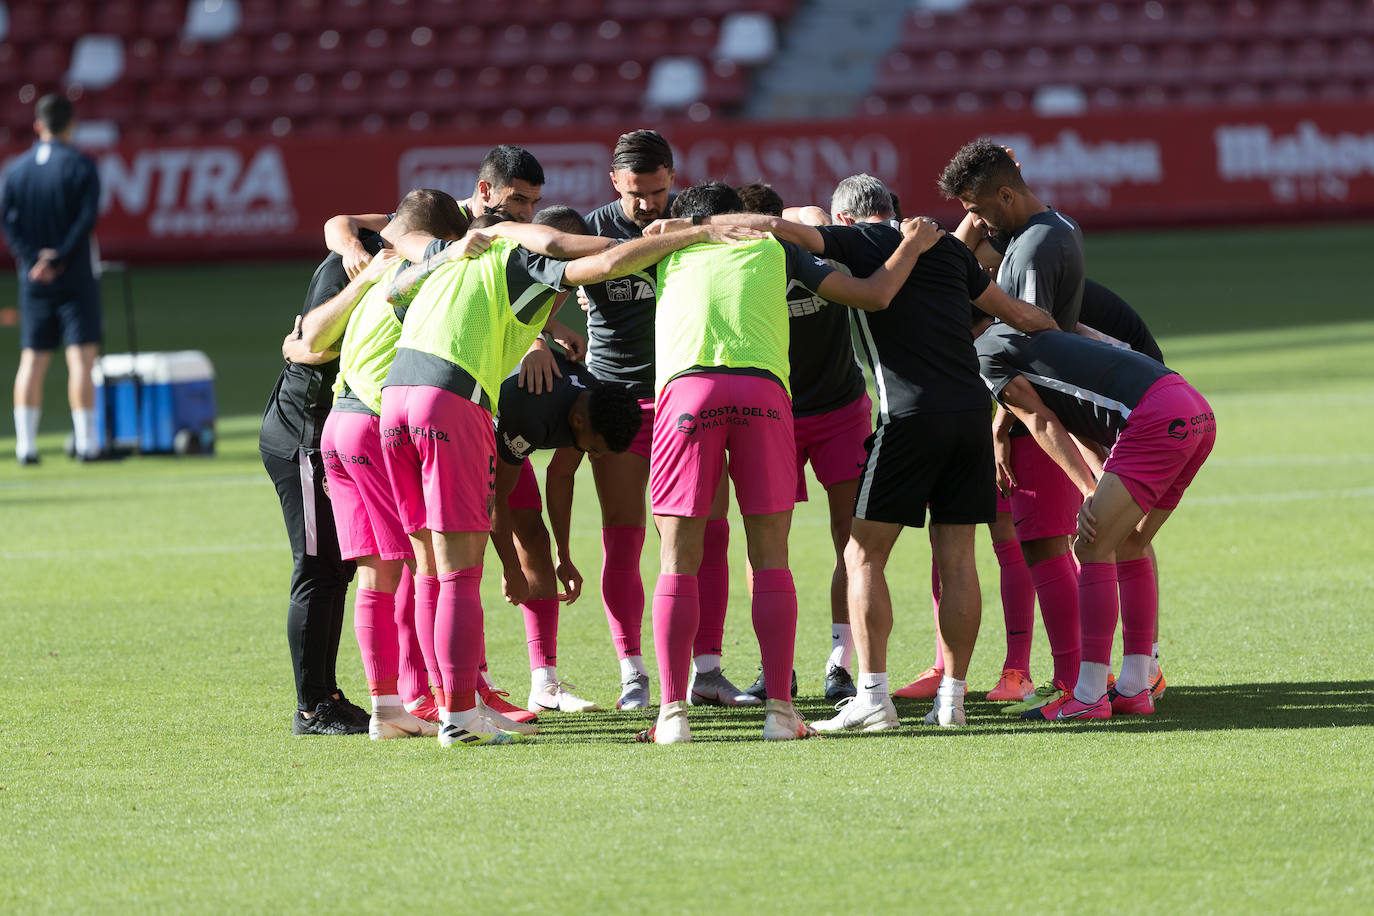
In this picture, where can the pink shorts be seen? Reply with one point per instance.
(643, 441)
(526, 492)
(441, 453)
(701, 417)
(1045, 502)
(360, 488)
(834, 443)
(1167, 438)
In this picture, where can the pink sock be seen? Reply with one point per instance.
(374, 621)
(935, 601)
(1056, 584)
(677, 610)
(622, 588)
(541, 631)
(413, 682)
(1097, 609)
(426, 601)
(458, 635)
(1018, 605)
(713, 584)
(1139, 605)
(775, 625)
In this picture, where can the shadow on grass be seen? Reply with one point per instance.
(1317, 704)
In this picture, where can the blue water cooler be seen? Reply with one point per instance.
(156, 403)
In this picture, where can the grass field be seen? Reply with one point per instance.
(146, 762)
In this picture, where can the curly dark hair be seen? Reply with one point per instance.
(979, 168)
(760, 198)
(614, 412)
(711, 198)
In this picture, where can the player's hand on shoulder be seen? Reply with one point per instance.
(472, 244)
(666, 225)
(716, 233)
(538, 368)
(572, 342)
(923, 230)
(384, 261)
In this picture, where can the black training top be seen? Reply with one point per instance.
(825, 372)
(1091, 386)
(919, 348)
(300, 402)
(529, 421)
(1105, 311)
(1043, 264)
(620, 319)
(51, 199)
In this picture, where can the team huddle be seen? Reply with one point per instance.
(719, 356)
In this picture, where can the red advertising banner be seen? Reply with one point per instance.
(269, 198)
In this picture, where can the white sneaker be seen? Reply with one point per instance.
(496, 720)
(710, 688)
(782, 722)
(671, 727)
(634, 693)
(476, 733)
(946, 714)
(855, 715)
(556, 697)
(389, 722)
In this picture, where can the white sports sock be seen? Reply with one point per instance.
(704, 663)
(1154, 661)
(463, 719)
(26, 431)
(1092, 682)
(873, 689)
(952, 689)
(83, 424)
(842, 646)
(542, 677)
(390, 699)
(632, 666)
(1135, 675)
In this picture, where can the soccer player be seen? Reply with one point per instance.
(1160, 431)
(575, 416)
(832, 416)
(510, 179)
(620, 351)
(51, 199)
(932, 446)
(721, 375)
(1041, 262)
(289, 444)
(364, 328)
(465, 330)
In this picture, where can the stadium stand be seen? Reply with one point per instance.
(169, 68)
(990, 55)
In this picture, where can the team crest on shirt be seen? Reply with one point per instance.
(1178, 429)
(628, 289)
(686, 424)
(519, 446)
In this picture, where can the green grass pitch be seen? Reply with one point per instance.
(146, 762)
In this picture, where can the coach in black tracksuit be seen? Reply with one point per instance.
(290, 449)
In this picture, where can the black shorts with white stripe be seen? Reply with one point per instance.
(943, 461)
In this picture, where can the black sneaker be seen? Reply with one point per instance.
(760, 689)
(838, 684)
(352, 710)
(28, 461)
(329, 719)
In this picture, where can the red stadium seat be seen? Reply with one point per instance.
(372, 51)
(303, 16)
(276, 55)
(256, 99)
(349, 15)
(116, 102)
(1264, 62)
(117, 17)
(1220, 64)
(302, 96)
(1199, 23)
(417, 49)
(258, 17)
(161, 105)
(1242, 22)
(187, 60)
(142, 60)
(345, 95)
(233, 57)
(560, 43)
(28, 22)
(70, 19)
(46, 62)
(392, 94)
(1173, 65)
(324, 53)
(162, 18)
(209, 102)
(466, 46)
(398, 14)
